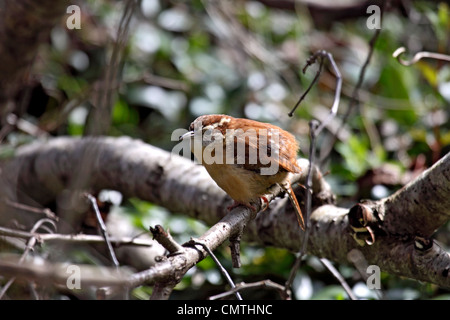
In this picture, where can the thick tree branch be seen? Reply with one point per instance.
(422, 206)
(42, 170)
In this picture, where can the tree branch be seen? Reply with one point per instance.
(42, 170)
(79, 238)
(422, 206)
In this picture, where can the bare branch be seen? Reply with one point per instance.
(313, 125)
(78, 238)
(30, 245)
(102, 228)
(140, 170)
(221, 268)
(56, 273)
(244, 286)
(421, 206)
(339, 277)
(165, 239)
(354, 101)
(47, 212)
(322, 54)
(356, 257)
(418, 56)
(314, 130)
(174, 267)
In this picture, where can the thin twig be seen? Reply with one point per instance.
(314, 130)
(233, 31)
(354, 100)
(418, 56)
(316, 77)
(47, 212)
(243, 286)
(222, 269)
(105, 235)
(299, 256)
(356, 257)
(45, 272)
(25, 126)
(339, 277)
(322, 54)
(165, 239)
(103, 230)
(337, 95)
(30, 246)
(80, 238)
(164, 82)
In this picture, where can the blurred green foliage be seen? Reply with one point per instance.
(187, 58)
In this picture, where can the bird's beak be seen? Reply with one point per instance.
(186, 135)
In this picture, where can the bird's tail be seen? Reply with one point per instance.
(298, 211)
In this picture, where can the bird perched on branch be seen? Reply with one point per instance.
(245, 157)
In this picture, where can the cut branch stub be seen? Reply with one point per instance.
(165, 239)
(364, 224)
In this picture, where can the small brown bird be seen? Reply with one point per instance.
(245, 157)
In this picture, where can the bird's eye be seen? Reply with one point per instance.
(207, 132)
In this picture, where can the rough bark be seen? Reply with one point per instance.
(41, 170)
(422, 206)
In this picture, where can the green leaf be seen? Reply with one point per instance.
(122, 113)
(74, 129)
(355, 153)
(206, 264)
(428, 72)
(142, 292)
(71, 85)
(445, 296)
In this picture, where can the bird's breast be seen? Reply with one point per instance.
(240, 184)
